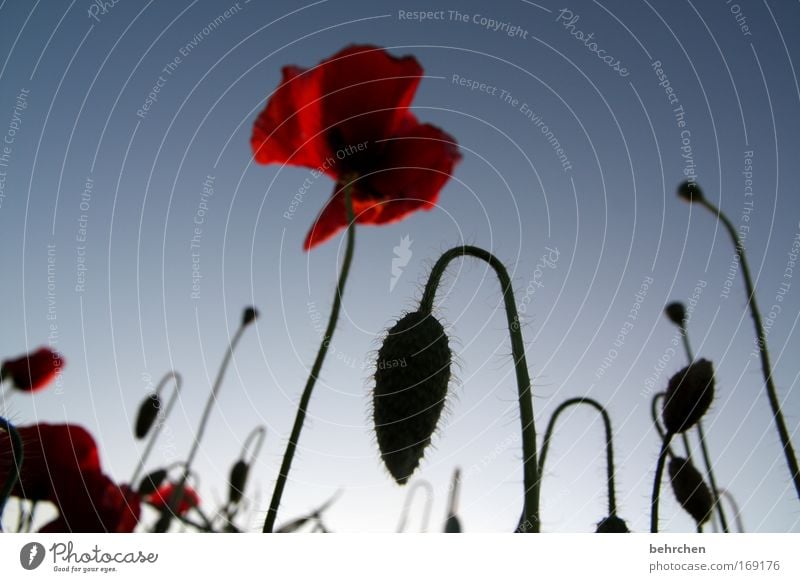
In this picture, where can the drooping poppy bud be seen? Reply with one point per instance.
(148, 413)
(33, 371)
(238, 481)
(688, 396)
(676, 313)
(612, 524)
(690, 191)
(690, 490)
(151, 482)
(411, 379)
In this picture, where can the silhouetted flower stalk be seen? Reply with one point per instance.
(452, 524)
(241, 470)
(677, 314)
(305, 398)
(419, 484)
(249, 315)
(692, 193)
(609, 434)
(531, 476)
(737, 513)
(157, 420)
(314, 516)
(688, 397)
(17, 458)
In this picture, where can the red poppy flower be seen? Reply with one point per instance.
(91, 502)
(161, 497)
(33, 371)
(51, 452)
(348, 118)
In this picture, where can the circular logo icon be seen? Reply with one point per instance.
(31, 555)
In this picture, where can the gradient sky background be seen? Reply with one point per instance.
(613, 218)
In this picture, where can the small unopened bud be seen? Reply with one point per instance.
(452, 525)
(676, 313)
(690, 191)
(249, 315)
(690, 490)
(612, 524)
(238, 481)
(411, 379)
(148, 412)
(688, 396)
(151, 482)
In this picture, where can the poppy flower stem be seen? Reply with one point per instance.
(531, 476)
(737, 513)
(610, 471)
(766, 367)
(177, 495)
(17, 456)
(426, 512)
(703, 445)
(305, 398)
(654, 413)
(178, 379)
(662, 458)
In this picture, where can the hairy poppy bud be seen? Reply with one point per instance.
(690, 489)
(676, 313)
(411, 379)
(151, 482)
(612, 524)
(148, 412)
(238, 481)
(688, 396)
(690, 191)
(33, 371)
(249, 315)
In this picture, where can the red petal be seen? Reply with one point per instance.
(33, 371)
(359, 94)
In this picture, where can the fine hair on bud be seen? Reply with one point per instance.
(148, 412)
(688, 396)
(676, 313)
(411, 379)
(612, 524)
(690, 490)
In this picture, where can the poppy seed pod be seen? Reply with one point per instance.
(238, 480)
(148, 412)
(411, 379)
(689, 191)
(676, 313)
(612, 524)
(151, 482)
(690, 490)
(249, 315)
(688, 396)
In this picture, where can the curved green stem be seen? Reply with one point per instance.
(163, 523)
(737, 514)
(305, 398)
(612, 491)
(766, 367)
(17, 455)
(662, 457)
(654, 407)
(531, 475)
(171, 375)
(426, 512)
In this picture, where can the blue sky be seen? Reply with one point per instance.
(122, 117)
